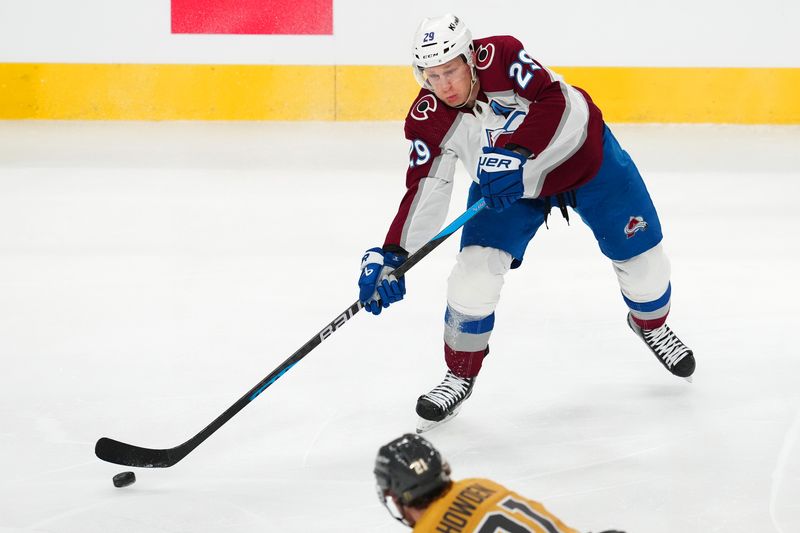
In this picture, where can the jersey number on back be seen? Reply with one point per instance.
(500, 522)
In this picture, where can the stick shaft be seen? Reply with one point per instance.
(117, 452)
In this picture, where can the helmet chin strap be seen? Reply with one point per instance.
(470, 96)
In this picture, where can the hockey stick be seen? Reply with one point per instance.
(114, 451)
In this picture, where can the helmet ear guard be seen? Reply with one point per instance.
(439, 40)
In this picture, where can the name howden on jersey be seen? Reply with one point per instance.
(463, 507)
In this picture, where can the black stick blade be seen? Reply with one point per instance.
(114, 451)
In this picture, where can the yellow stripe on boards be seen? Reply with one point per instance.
(374, 93)
(274, 92)
(166, 92)
(720, 95)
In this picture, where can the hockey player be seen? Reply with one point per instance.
(530, 142)
(413, 483)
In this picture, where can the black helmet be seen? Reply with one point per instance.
(412, 470)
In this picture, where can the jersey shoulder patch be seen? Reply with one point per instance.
(491, 51)
(429, 118)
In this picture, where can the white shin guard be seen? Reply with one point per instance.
(474, 285)
(645, 277)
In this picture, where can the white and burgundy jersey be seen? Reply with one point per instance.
(520, 102)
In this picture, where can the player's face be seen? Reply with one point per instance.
(451, 82)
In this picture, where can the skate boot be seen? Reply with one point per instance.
(668, 348)
(443, 402)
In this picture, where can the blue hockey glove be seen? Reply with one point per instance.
(500, 176)
(378, 288)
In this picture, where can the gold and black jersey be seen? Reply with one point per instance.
(483, 506)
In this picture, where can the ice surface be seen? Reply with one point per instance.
(151, 273)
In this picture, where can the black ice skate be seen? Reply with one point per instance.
(668, 348)
(443, 402)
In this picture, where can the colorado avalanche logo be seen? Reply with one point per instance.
(513, 120)
(484, 56)
(423, 107)
(635, 224)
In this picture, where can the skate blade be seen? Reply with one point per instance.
(689, 379)
(424, 424)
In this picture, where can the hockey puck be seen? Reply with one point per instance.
(123, 479)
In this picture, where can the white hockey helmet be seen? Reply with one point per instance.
(439, 40)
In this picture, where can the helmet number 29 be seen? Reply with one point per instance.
(523, 69)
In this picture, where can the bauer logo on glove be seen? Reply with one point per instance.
(500, 176)
(494, 163)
